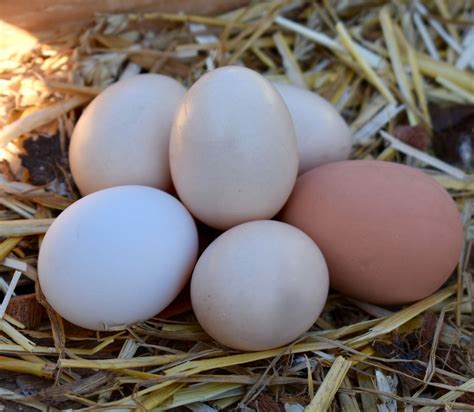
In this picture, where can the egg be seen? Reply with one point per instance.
(322, 134)
(122, 138)
(233, 150)
(117, 256)
(390, 233)
(259, 285)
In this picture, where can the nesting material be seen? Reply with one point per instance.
(383, 65)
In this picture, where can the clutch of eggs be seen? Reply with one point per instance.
(232, 146)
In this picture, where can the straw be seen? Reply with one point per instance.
(384, 65)
(39, 118)
(326, 392)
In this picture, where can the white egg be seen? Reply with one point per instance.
(323, 135)
(117, 256)
(122, 138)
(233, 151)
(259, 285)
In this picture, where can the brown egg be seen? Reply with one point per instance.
(390, 234)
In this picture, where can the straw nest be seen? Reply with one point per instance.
(389, 67)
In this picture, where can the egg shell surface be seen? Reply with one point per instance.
(117, 256)
(122, 137)
(390, 233)
(322, 134)
(233, 150)
(259, 285)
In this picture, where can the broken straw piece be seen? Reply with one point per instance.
(39, 118)
(28, 270)
(292, 68)
(131, 69)
(204, 38)
(16, 336)
(459, 91)
(12, 206)
(425, 157)
(370, 74)
(377, 122)
(3, 285)
(398, 68)
(331, 383)
(386, 384)
(451, 396)
(425, 36)
(372, 58)
(439, 29)
(371, 107)
(467, 56)
(317, 37)
(9, 293)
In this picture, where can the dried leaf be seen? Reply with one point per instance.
(43, 155)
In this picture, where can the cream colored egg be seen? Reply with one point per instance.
(122, 137)
(117, 256)
(233, 151)
(323, 135)
(259, 285)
